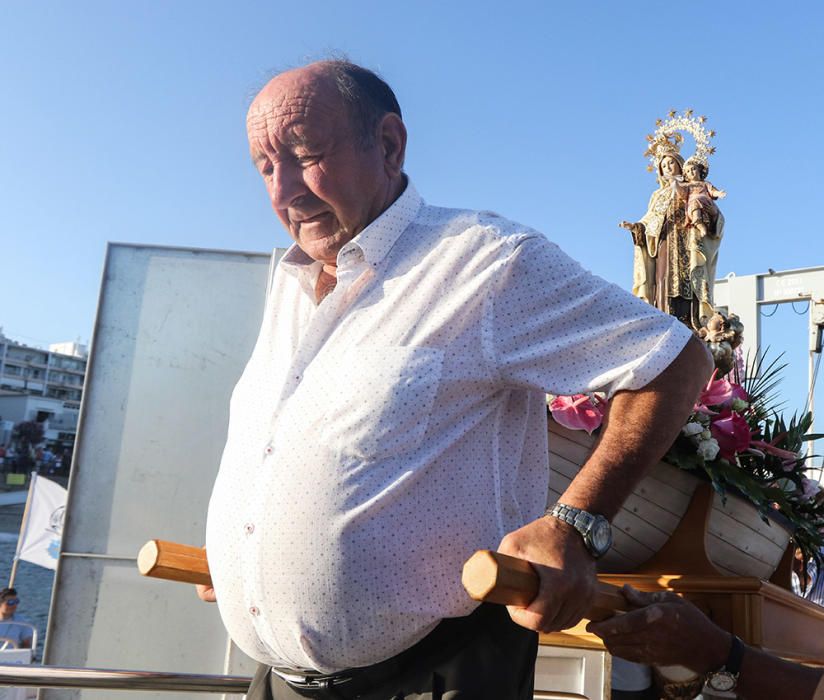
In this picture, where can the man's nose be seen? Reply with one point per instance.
(285, 184)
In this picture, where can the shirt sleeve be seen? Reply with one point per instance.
(556, 327)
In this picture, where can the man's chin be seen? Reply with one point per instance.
(323, 248)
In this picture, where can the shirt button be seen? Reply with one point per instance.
(268, 449)
(254, 611)
(249, 528)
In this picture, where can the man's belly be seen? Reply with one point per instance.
(343, 563)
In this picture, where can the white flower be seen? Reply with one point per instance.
(691, 429)
(706, 435)
(809, 488)
(708, 449)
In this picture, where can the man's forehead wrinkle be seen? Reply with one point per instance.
(294, 106)
(298, 122)
(306, 97)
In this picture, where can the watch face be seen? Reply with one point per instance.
(722, 680)
(601, 535)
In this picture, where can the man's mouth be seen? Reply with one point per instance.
(310, 219)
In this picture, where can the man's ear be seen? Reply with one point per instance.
(392, 139)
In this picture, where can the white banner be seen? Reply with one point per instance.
(40, 539)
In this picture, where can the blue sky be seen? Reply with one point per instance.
(125, 122)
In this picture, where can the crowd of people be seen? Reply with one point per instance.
(43, 460)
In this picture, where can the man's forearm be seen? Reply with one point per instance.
(639, 428)
(662, 629)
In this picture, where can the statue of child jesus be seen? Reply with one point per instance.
(702, 211)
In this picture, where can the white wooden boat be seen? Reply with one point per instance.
(737, 541)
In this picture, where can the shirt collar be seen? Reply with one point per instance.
(375, 241)
(300, 266)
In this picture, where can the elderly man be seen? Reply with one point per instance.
(392, 417)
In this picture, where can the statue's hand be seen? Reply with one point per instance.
(636, 229)
(722, 194)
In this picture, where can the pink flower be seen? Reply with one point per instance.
(732, 433)
(738, 392)
(579, 412)
(777, 451)
(719, 392)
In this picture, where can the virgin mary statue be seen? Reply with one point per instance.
(674, 267)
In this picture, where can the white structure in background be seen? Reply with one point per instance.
(57, 373)
(59, 418)
(41, 385)
(71, 348)
(746, 294)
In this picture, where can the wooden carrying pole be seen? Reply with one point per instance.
(488, 576)
(491, 577)
(174, 562)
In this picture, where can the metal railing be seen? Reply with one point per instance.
(112, 679)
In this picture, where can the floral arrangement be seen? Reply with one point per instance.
(736, 439)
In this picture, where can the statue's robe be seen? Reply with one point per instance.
(671, 270)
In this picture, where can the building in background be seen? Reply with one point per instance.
(58, 418)
(56, 373)
(43, 386)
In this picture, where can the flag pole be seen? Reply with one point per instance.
(23, 524)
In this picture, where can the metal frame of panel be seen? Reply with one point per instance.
(174, 329)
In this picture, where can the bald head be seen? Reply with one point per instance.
(365, 96)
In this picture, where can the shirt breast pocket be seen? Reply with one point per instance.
(378, 399)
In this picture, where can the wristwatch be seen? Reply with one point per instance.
(726, 678)
(595, 529)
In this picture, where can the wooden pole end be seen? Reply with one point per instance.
(147, 557)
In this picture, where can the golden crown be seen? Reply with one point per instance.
(667, 138)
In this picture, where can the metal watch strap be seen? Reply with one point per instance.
(579, 519)
(594, 529)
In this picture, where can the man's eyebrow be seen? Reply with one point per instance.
(296, 137)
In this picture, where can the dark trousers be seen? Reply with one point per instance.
(484, 656)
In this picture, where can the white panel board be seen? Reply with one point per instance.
(569, 670)
(173, 332)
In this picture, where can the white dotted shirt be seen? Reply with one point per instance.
(376, 440)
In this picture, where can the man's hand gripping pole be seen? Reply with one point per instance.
(491, 577)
